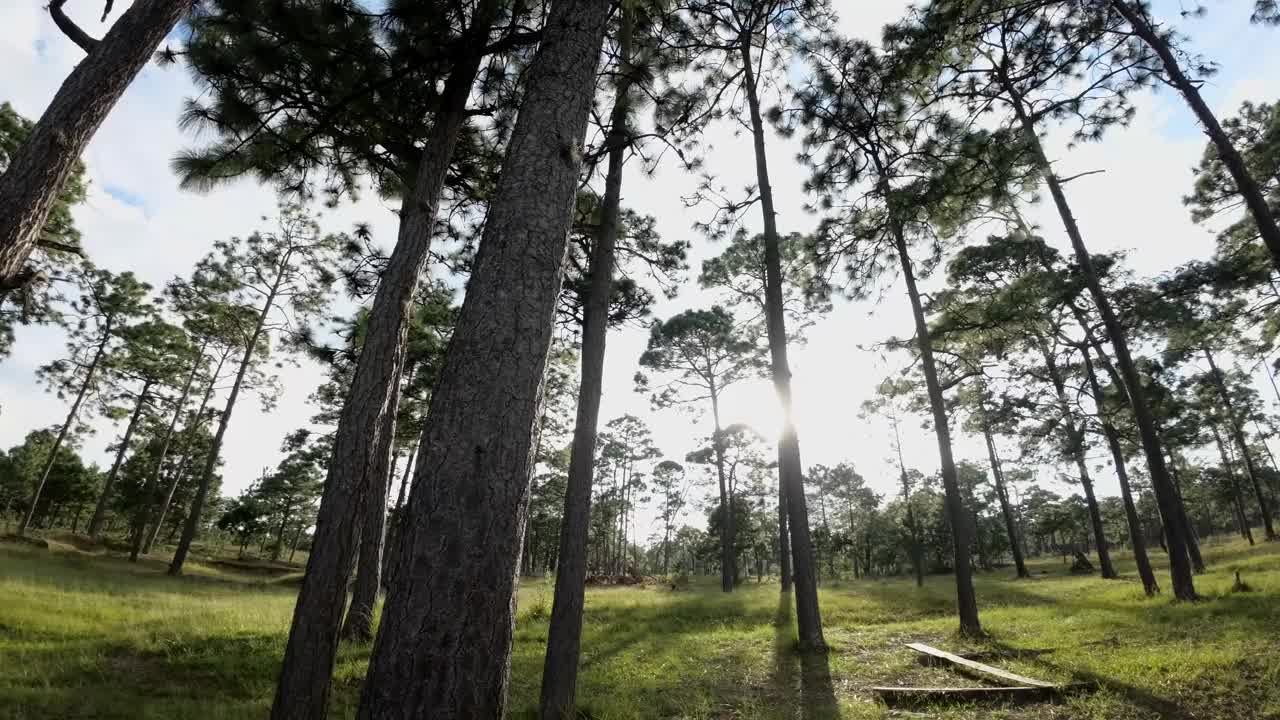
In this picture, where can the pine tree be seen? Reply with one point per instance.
(108, 303)
(262, 286)
(698, 354)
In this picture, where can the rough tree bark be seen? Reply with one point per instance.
(363, 440)
(108, 484)
(1247, 186)
(560, 665)
(1166, 497)
(192, 525)
(966, 600)
(66, 426)
(790, 469)
(443, 648)
(41, 166)
(372, 538)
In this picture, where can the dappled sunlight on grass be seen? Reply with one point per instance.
(84, 635)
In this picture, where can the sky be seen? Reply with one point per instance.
(136, 218)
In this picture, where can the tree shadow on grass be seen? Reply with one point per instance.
(1141, 697)
(803, 678)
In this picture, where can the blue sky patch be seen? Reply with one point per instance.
(126, 196)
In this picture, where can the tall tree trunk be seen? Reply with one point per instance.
(180, 471)
(1237, 434)
(558, 697)
(66, 426)
(453, 606)
(1076, 440)
(404, 479)
(727, 570)
(1136, 535)
(1246, 185)
(100, 510)
(790, 470)
(1188, 530)
(917, 552)
(277, 548)
(966, 600)
(297, 538)
(40, 167)
(364, 593)
(784, 539)
(192, 525)
(1192, 546)
(1245, 530)
(363, 440)
(997, 476)
(1166, 497)
(373, 538)
(395, 529)
(168, 437)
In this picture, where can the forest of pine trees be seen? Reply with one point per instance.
(1069, 406)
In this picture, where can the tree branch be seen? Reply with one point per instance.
(70, 29)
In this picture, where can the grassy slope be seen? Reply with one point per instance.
(85, 636)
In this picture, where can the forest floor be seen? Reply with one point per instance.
(89, 635)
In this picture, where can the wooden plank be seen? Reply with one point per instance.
(994, 673)
(923, 695)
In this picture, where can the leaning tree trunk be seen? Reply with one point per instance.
(41, 166)
(1237, 435)
(1246, 185)
(1166, 497)
(1002, 494)
(1246, 531)
(66, 427)
(192, 525)
(966, 600)
(372, 538)
(790, 470)
(1192, 545)
(443, 648)
(1136, 536)
(197, 422)
(1187, 529)
(168, 439)
(1076, 441)
(364, 437)
(100, 510)
(395, 528)
(560, 665)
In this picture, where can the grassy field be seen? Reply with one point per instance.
(85, 635)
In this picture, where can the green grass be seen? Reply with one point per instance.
(91, 636)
